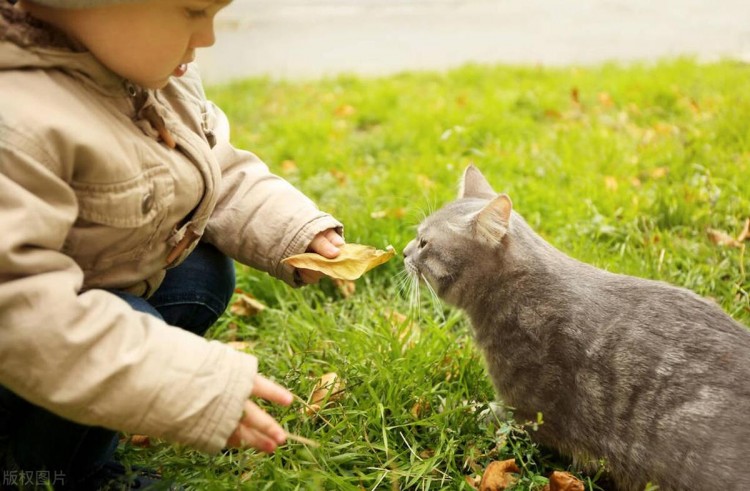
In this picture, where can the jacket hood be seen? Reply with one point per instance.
(28, 43)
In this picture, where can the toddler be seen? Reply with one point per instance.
(122, 208)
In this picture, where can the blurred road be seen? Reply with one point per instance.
(313, 38)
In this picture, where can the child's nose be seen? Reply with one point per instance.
(204, 38)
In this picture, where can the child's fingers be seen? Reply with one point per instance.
(334, 237)
(260, 421)
(323, 246)
(309, 276)
(248, 437)
(271, 391)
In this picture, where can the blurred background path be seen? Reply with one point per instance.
(315, 38)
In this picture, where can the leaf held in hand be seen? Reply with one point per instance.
(353, 261)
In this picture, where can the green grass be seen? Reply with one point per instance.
(624, 167)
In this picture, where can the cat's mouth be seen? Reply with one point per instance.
(411, 268)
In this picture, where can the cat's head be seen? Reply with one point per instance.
(462, 239)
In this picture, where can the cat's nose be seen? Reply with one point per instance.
(409, 248)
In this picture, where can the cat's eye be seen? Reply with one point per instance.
(422, 243)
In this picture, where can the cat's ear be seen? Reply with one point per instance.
(474, 185)
(491, 223)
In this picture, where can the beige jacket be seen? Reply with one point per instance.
(93, 197)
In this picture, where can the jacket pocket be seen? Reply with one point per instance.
(119, 221)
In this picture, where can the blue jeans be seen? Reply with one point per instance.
(192, 296)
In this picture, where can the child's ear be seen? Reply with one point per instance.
(474, 185)
(491, 223)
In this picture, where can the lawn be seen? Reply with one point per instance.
(634, 168)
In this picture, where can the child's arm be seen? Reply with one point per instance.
(88, 356)
(260, 218)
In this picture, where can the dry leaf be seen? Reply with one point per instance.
(396, 317)
(407, 332)
(346, 287)
(575, 98)
(341, 177)
(499, 475)
(605, 99)
(663, 128)
(245, 305)
(659, 172)
(311, 409)
(420, 408)
(142, 441)
(289, 167)
(722, 238)
(473, 482)
(345, 110)
(329, 388)
(353, 261)
(563, 481)
(745, 234)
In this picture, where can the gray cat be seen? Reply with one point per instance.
(648, 376)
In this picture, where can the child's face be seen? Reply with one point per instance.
(147, 42)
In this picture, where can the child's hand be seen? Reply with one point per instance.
(326, 244)
(257, 428)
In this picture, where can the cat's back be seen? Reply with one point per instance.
(664, 376)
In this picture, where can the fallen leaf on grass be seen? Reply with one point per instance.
(245, 305)
(499, 475)
(420, 408)
(563, 481)
(605, 99)
(406, 331)
(345, 287)
(353, 261)
(142, 441)
(289, 167)
(722, 238)
(659, 172)
(745, 234)
(610, 183)
(329, 388)
(344, 110)
(473, 481)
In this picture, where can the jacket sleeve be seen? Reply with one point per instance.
(87, 356)
(260, 218)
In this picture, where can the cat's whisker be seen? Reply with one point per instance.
(402, 280)
(414, 295)
(436, 303)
